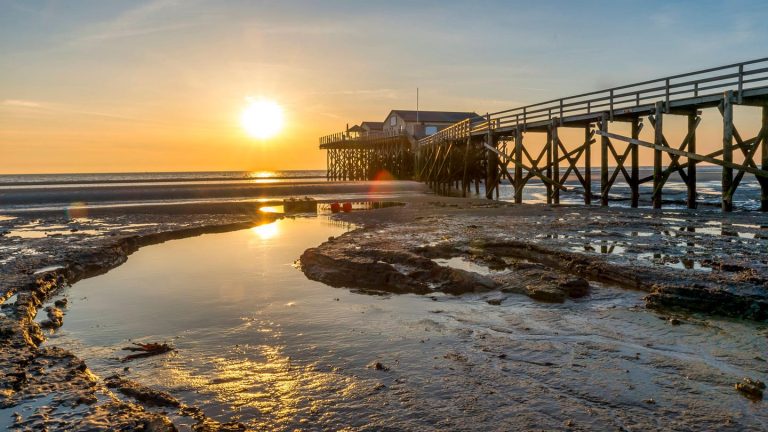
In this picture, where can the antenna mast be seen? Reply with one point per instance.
(417, 104)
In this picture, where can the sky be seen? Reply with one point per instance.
(159, 85)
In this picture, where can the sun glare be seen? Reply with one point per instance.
(262, 119)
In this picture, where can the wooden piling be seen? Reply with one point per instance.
(492, 167)
(635, 160)
(692, 123)
(658, 141)
(587, 166)
(764, 164)
(548, 150)
(727, 176)
(604, 161)
(555, 160)
(518, 167)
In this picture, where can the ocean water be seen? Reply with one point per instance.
(747, 195)
(113, 179)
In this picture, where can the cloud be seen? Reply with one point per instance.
(21, 103)
(143, 20)
(383, 93)
(48, 108)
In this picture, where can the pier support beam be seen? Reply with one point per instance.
(659, 142)
(764, 163)
(491, 168)
(635, 160)
(604, 161)
(727, 178)
(587, 166)
(548, 150)
(555, 160)
(692, 124)
(518, 166)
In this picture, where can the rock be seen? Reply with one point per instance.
(751, 389)
(650, 401)
(378, 366)
(55, 318)
(494, 302)
(674, 321)
(60, 303)
(575, 287)
(545, 292)
(141, 393)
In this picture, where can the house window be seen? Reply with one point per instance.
(393, 121)
(430, 130)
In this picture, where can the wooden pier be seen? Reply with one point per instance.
(503, 145)
(494, 147)
(372, 157)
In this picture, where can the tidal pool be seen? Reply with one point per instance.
(258, 343)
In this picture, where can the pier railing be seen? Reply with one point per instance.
(345, 136)
(737, 77)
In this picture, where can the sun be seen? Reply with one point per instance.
(262, 119)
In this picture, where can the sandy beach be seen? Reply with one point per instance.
(693, 270)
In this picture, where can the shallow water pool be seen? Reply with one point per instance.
(258, 343)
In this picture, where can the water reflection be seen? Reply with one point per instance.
(267, 231)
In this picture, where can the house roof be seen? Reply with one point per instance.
(372, 125)
(356, 128)
(433, 116)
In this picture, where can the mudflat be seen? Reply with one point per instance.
(695, 268)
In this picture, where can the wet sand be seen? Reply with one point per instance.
(683, 259)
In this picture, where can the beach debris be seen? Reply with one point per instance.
(300, 205)
(146, 350)
(494, 301)
(650, 401)
(751, 389)
(378, 366)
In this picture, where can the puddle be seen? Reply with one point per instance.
(600, 247)
(674, 262)
(361, 205)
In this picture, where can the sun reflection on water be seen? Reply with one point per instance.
(262, 174)
(266, 231)
(263, 387)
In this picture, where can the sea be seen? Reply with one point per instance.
(747, 196)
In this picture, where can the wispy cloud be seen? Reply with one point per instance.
(142, 20)
(48, 108)
(383, 93)
(21, 103)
